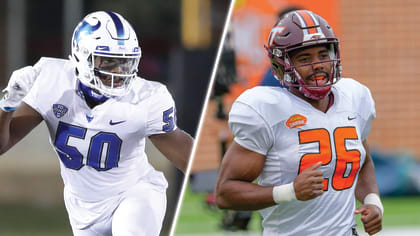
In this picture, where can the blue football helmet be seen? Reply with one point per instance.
(106, 54)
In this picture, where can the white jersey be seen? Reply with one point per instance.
(294, 135)
(102, 150)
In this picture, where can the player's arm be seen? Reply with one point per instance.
(367, 193)
(16, 125)
(175, 145)
(240, 167)
(16, 118)
(235, 188)
(367, 180)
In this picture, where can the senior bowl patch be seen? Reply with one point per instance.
(295, 121)
(59, 110)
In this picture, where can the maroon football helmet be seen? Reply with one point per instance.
(298, 30)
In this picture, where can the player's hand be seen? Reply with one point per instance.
(19, 85)
(371, 218)
(309, 183)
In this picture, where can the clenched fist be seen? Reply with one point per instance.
(309, 183)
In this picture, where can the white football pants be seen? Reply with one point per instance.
(140, 212)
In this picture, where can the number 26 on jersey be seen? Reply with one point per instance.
(347, 161)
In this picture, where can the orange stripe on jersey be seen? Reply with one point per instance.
(308, 21)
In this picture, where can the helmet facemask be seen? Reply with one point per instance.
(112, 75)
(288, 75)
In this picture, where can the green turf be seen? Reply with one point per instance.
(29, 220)
(195, 217)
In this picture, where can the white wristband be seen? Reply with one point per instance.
(284, 193)
(373, 199)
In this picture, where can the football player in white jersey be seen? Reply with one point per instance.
(306, 142)
(99, 112)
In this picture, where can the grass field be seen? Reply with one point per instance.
(196, 218)
(29, 220)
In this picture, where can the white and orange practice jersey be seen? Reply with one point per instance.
(293, 135)
(102, 150)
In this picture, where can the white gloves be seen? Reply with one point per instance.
(19, 85)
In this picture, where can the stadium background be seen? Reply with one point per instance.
(380, 47)
(179, 39)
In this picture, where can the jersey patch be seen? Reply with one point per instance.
(296, 120)
(59, 110)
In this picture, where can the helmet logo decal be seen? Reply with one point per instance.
(296, 120)
(85, 29)
(118, 25)
(314, 38)
(276, 30)
(102, 48)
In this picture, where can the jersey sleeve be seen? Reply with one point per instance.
(249, 128)
(32, 98)
(161, 113)
(368, 112)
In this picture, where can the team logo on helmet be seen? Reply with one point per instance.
(85, 29)
(274, 31)
(59, 110)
